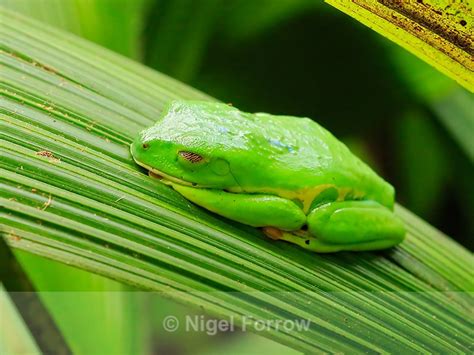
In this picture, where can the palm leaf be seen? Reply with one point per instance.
(437, 31)
(69, 191)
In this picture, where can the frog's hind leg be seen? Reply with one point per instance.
(346, 225)
(353, 225)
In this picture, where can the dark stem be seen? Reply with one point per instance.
(44, 330)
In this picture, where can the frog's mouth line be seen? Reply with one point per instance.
(170, 180)
(165, 178)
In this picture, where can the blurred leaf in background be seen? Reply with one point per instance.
(243, 19)
(455, 110)
(15, 337)
(313, 56)
(423, 162)
(177, 35)
(114, 24)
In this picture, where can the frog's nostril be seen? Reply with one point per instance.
(145, 145)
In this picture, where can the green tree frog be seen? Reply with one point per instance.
(285, 174)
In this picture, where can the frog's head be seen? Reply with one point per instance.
(185, 147)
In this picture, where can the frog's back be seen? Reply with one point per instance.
(293, 157)
(313, 159)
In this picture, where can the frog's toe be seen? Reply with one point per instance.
(273, 233)
(302, 238)
(290, 236)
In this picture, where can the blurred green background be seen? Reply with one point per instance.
(296, 57)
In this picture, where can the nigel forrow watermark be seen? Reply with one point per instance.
(211, 326)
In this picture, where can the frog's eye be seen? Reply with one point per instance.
(191, 157)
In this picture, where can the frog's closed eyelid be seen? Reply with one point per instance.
(190, 156)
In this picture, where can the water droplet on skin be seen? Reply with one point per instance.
(278, 143)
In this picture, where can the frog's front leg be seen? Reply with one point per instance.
(257, 210)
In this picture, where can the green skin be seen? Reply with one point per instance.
(277, 172)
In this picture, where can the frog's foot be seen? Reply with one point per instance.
(153, 175)
(329, 244)
(354, 226)
(273, 233)
(299, 237)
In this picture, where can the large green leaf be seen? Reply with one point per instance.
(438, 31)
(70, 191)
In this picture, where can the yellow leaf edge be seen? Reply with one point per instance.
(376, 16)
